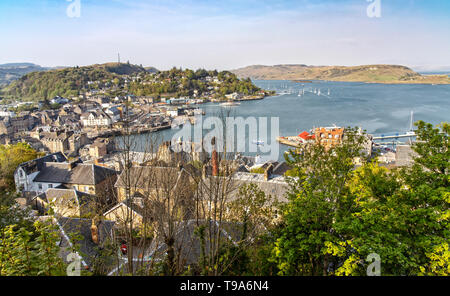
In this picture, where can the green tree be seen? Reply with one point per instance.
(400, 215)
(10, 158)
(30, 253)
(316, 201)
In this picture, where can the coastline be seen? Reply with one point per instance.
(362, 81)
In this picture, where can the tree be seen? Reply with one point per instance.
(254, 212)
(402, 215)
(27, 247)
(10, 158)
(371, 224)
(316, 201)
(427, 197)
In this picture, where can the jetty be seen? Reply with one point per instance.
(408, 135)
(290, 141)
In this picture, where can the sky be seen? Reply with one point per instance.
(226, 34)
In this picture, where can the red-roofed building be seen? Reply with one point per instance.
(305, 136)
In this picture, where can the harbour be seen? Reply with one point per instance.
(381, 110)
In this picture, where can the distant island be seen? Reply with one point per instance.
(388, 74)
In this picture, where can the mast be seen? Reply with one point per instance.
(411, 121)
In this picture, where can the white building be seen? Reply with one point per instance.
(96, 118)
(26, 172)
(59, 100)
(6, 113)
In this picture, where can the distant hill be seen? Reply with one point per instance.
(66, 82)
(12, 71)
(151, 70)
(116, 68)
(367, 73)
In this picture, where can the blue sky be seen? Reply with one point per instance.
(226, 34)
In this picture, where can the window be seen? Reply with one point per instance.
(40, 186)
(50, 185)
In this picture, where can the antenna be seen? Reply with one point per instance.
(118, 56)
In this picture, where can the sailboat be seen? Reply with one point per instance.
(411, 123)
(328, 92)
(318, 93)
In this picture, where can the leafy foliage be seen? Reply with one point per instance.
(30, 253)
(337, 216)
(10, 158)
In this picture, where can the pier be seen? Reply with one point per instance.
(289, 142)
(382, 137)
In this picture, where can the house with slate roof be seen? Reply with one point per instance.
(26, 172)
(65, 202)
(54, 171)
(88, 246)
(87, 178)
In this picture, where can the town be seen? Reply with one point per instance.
(74, 165)
(212, 147)
(83, 125)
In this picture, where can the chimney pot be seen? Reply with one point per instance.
(94, 232)
(215, 163)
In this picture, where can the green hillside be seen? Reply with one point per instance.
(13, 71)
(67, 82)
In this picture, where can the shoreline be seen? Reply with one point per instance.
(368, 82)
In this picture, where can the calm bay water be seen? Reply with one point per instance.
(377, 108)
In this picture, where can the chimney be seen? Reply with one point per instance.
(268, 172)
(204, 171)
(94, 232)
(215, 159)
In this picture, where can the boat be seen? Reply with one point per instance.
(411, 132)
(258, 142)
(302, 81)
(318, 93)
(230, 104)
(328, 92)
